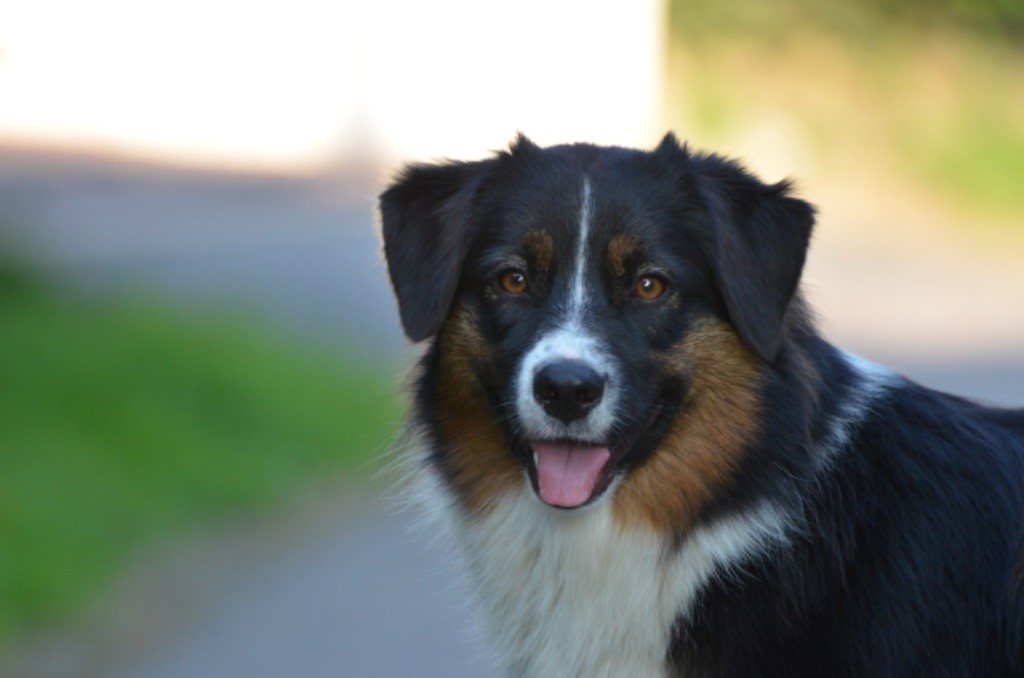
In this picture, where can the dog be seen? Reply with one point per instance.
(650, 460)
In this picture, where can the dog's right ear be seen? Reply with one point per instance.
(425, 224)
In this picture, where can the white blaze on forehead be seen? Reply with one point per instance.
(578, 293)
(569, 340)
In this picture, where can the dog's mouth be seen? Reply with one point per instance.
(569, 474)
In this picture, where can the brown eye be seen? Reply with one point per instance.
(513, 282)
(648, 287)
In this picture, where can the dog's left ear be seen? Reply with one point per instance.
(425, 224)
(761, 235)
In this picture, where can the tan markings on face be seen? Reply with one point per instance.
(702, 449)
(621, 251)
(476, 449)
(541, 248)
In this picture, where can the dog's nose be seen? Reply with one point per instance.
(568, 389)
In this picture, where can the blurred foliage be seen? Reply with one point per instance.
(775, 19)
(123, 422)
(930, 91)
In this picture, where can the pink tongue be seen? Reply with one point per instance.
(568, 474)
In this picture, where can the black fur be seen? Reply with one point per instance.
(424, 218)
(907, 562)
(907, 551)
(754, 224)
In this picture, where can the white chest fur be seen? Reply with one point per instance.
(575, 594)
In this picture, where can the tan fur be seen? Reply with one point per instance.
(482, 469)
(703, 447)
(621, 250)
(540, 246)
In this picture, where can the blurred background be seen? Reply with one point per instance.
(200, 357)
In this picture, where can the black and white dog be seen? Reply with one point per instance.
(652, 462)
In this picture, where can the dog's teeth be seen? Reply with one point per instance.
(535, 460)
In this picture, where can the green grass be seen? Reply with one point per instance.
(122, 422)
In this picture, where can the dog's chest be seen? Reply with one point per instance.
(574, 594)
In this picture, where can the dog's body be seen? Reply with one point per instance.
(650, 460)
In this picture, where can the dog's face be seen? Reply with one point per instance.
(598, 315)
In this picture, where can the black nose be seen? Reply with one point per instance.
(568, 389)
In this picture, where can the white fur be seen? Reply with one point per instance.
(872, 382)
(579, 288)
(575, 593)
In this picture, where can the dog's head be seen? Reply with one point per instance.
(597, 314)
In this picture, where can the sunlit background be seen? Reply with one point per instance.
(199, 353)
(297, 86)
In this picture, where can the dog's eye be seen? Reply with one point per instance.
(648, 287)
(513, 282)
